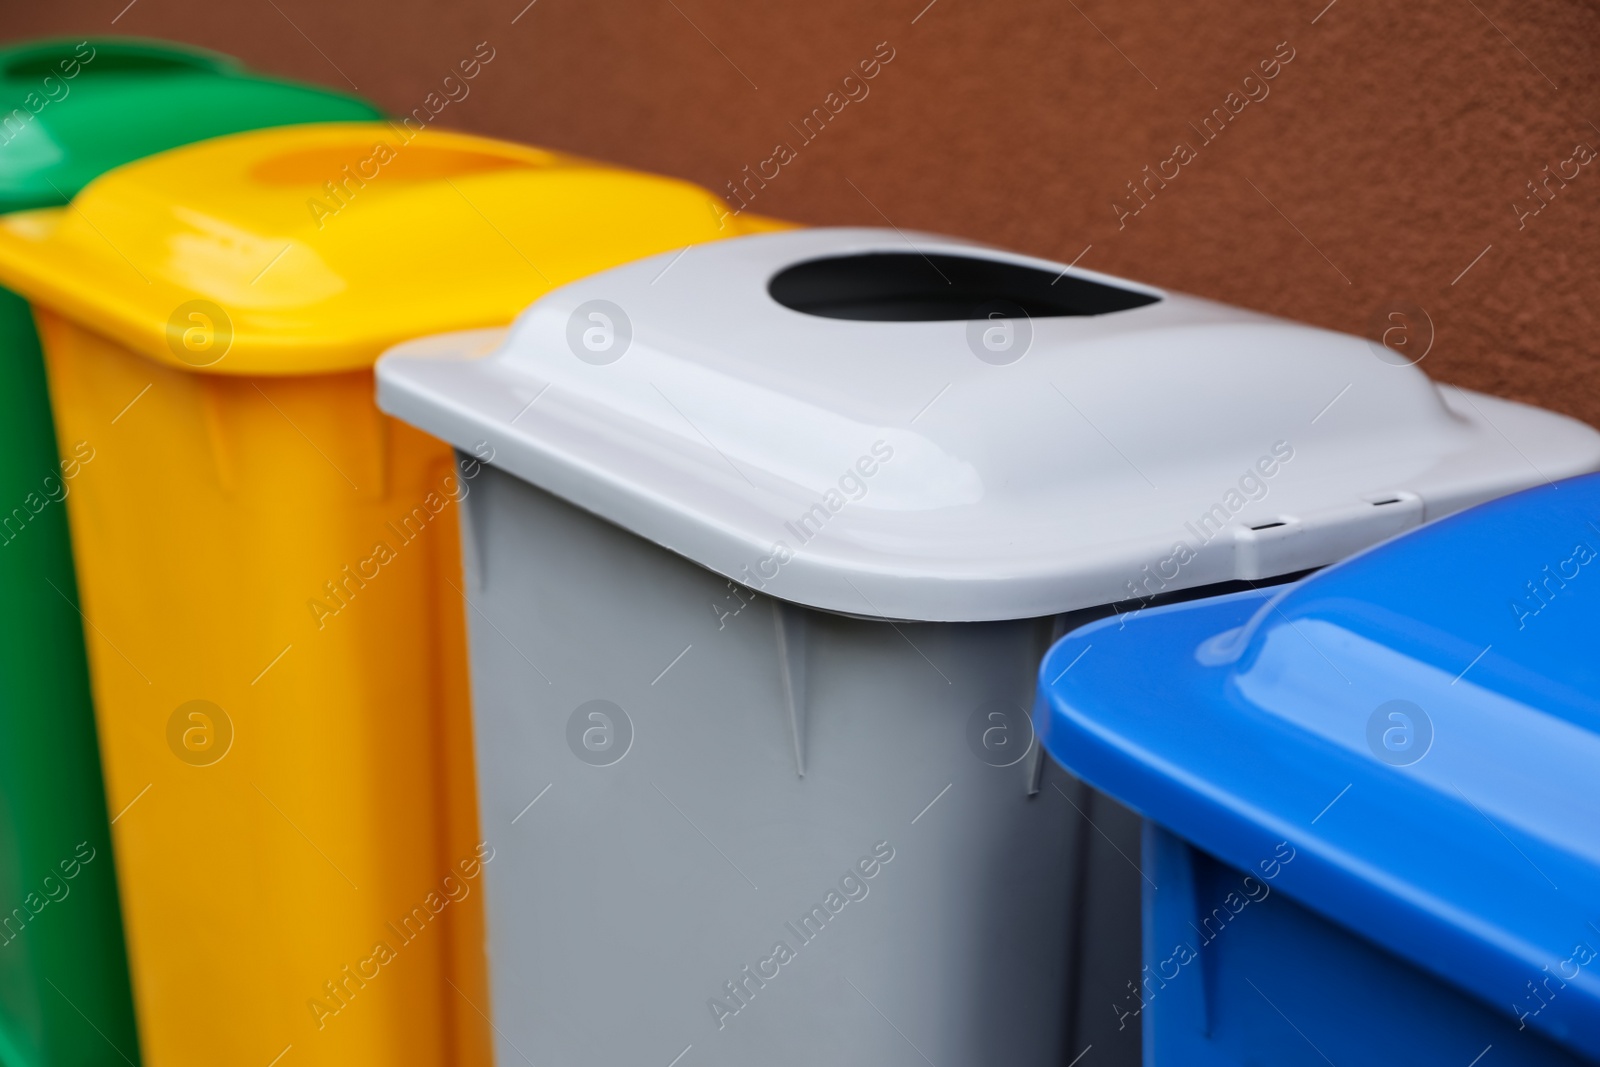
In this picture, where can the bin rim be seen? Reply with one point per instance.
(729, 416)
(128, 283)
(1250, 723)
(207, 60)
(42, 103)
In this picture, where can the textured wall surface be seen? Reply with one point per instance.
(1389, 156)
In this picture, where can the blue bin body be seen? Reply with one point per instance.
(1372, 798)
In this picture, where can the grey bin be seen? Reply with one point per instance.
(763, 542)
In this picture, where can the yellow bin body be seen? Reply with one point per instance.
(270, 567)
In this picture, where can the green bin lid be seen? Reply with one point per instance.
(72, 109)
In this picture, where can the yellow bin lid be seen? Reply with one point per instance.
(311, 249)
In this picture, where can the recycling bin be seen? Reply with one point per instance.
(757, 589)
(1371, 828)
(268, 566)
(70, 110)
(1370, 818)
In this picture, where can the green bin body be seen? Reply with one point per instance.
(69, 111)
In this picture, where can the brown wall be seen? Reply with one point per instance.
(1395, 142)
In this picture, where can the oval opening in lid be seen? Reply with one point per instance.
(940, 287)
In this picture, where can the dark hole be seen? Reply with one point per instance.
(908, 287)
(1381, 503)
(1267, 526)
(106, 60)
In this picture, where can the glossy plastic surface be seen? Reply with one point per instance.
(1237, 974)
(903, 469)
(299, 856)
(73, 109)
(1421, 723)
(306, 242)
(793, 740)
(54, 930)
(70, 110)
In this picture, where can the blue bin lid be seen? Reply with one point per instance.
(1421, 723)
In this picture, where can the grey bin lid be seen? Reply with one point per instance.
(915, 436)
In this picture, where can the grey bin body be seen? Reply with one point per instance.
(676, 768)
(625, 899)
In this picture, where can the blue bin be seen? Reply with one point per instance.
(1371, 798)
